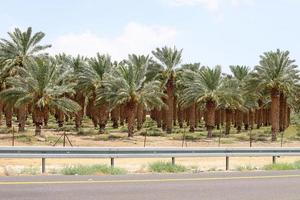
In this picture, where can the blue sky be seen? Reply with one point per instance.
(211, 32)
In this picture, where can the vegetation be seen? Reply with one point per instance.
(162, 167)
(112, 94)
(92, 170)
(283, 166)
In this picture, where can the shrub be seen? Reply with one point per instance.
(92, 170)
(166, 167)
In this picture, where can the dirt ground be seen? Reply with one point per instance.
(118, 138)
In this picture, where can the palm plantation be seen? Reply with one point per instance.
(126, 84)
(20, 47)
(38, 84)
(175, 95)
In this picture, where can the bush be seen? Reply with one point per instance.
(166, 167)
(92, 170)
(153, 132)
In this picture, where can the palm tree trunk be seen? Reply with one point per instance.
(103, 112)
(228, 113)
(275, 97)
(285, 123)
(210, 117)
(122, 115)
(38, 119)
(46, 115)
(218, 118)
(192, 114)
(180, 116)
(8, 111)
(131, 110)
(174, 111)
(80, 99)
(251, 119)
(21, 114)
(115, 113)
(60, 117)
(288, 116)
(170, 100)
(282, 114)
(246, 120)
(91, 111)
(259, 114)
(233, 118)
(196, 116)
(139, 116)
(1, 111)
(159, 118)
(223, 116)
(239, 120)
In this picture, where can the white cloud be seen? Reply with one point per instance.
(134, 38)
(211, 5)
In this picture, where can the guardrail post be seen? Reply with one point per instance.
(43, 165)
(112, 162)
(274, 160)
(173, 160)
(227, 163)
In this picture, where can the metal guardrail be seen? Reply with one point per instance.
(133, 152)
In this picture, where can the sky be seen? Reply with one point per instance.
(212, 32)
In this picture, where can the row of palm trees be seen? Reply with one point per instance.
(32, 82)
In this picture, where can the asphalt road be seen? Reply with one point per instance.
(212, 186)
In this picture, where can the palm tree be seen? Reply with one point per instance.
(240, 74)
(230, 100)
(39, 83)
(191, 106)
(169, 59)
(204, 87)
(275, 73)
(126, 85)
(76, 65)
(90, 78)
(13, 53)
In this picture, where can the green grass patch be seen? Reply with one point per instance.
(283, 166)
(25, 138)
(30, 171)
(107, 137)
(153, 131)
(89, 131)
(246, 168)
(92, 170)
(52, 139)
(168, 167)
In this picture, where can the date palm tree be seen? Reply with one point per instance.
(205, 87)
(231, 99)
(38, 83)
(182, 103)
(240, 74)
(169, 59)
(14, 51)
(126, 85)
(275, 73)
(90, 78)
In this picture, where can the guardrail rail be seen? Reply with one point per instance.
(134, 152)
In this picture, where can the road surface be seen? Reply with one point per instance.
(212, 186)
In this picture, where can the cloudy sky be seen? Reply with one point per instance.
(211, 32)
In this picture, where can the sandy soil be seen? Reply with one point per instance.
(119, 139)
